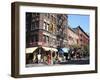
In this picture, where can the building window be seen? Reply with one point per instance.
(81, 35)
(46, 26)
(44, 38)
(47, 39)
(33, 26)
(81, 40)
(33, 39)
(36, 24)
(37, 18)
(36, 38)
(33, 19)
(70, 38)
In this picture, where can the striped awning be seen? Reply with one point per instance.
(30, 50)
(65, 50)
(51, 49)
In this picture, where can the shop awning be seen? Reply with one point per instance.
(65, 50)
(31, 50)
(60, 51)
(51, 49)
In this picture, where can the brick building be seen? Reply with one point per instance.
(83, 36)
(62, 24)
(47, 32)
(72, 37)
(40, 35)
(52, 31)
(41, 30)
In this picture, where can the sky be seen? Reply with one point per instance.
(76, 20)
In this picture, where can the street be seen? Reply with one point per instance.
(76, 62)
(68, 62)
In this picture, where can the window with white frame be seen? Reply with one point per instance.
(45, 26)
(47, 39)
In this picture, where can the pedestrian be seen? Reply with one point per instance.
(49, 59)
(39, 58)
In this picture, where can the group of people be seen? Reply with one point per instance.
(43, 58)
(49, 59)
(56, 58)
(76, 53)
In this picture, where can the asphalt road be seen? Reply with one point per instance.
(76, 62)
(68, 62)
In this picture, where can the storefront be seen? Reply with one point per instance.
(44, 55)
(30, 54)
(51, 55)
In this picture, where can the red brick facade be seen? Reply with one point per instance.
(83, 37)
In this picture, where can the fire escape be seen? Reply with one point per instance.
(60, 30)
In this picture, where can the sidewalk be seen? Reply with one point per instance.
(35, 65)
